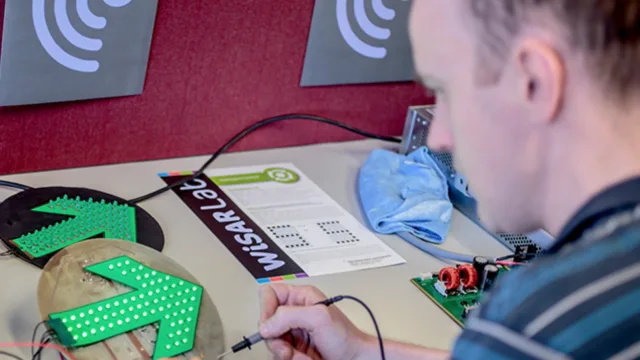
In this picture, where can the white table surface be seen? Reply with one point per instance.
(401, 310)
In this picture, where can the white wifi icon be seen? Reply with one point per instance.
(367, 26)
(69, 32)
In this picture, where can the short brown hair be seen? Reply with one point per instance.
(607, 32)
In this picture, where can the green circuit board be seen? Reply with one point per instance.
(452, 305)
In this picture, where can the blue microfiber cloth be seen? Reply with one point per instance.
(405, 194)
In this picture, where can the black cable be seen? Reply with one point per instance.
(14, 185)
(253, 339)
(514, 255)
(373, 318)
(44, 339)
(249, 130)
(10, 355)
(7, 253)
(33, 338)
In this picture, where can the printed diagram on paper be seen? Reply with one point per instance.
(302, 220)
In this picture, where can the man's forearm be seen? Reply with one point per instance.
(394, 350)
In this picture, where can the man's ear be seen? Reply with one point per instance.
(541, 76)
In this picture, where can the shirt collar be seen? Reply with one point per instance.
(621, 196)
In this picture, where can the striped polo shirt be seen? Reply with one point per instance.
(581, 300)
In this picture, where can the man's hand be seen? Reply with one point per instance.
(301, 330)
(297, 329)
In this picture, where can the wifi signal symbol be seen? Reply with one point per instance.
(70, 33)
(369, 28)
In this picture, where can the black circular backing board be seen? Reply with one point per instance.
(17, 219)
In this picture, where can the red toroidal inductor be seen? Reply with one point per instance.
(468, 275)
(450, 277)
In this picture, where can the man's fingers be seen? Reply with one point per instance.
(274, 295)
(290, 317)
(268, 302)
(297, 355)
(296, 295)
(281, 349)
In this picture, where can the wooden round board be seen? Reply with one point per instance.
(65, 285)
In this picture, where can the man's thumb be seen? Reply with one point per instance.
(294, 317)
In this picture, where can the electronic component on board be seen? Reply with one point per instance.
(440, 288)
(524, 253)
(479, 263)
(468, 276)
(489, 275)
(425, 276)
(450, 277)
(468, 308)
(459, 290)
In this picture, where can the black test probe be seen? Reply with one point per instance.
(247, 342)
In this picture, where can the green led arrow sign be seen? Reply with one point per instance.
(158, 297)
(89, 219)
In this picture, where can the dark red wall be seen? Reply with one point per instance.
(206, 80)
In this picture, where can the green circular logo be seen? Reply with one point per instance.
(282, 175)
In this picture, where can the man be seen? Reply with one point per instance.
(540, 102)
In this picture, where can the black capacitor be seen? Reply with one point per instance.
(488, 275)
(479, 263)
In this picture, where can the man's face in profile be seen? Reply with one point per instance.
(476, 118)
